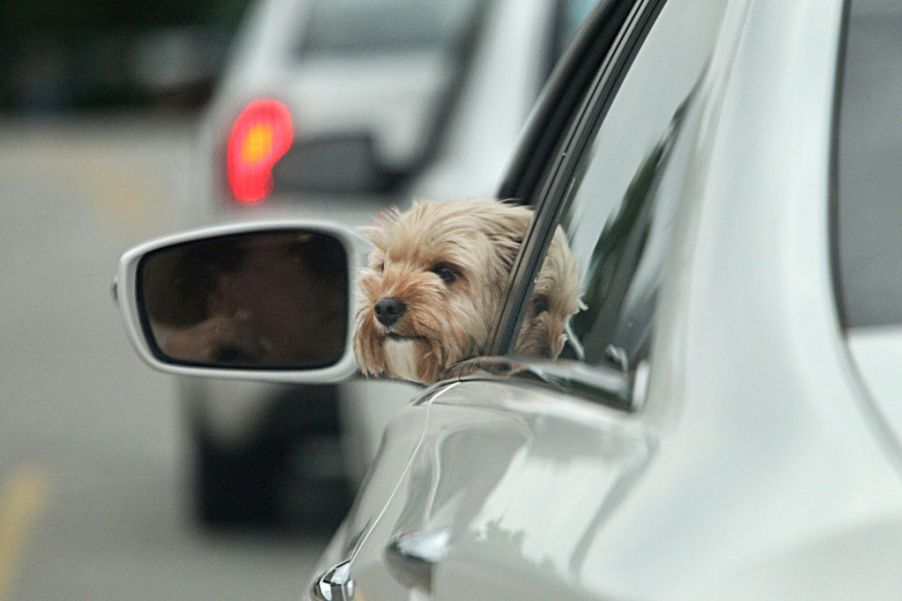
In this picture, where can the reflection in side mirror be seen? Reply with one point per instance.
(261, 300)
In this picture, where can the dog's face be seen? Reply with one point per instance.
(433, 286)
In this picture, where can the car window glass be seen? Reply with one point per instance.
(363, 27)
(620, 207)
(570, 17)
(869, 210)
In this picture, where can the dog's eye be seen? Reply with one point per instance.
(380, 267)
(444, 271)
(540, 304)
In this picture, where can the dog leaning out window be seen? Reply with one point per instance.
(434, 284)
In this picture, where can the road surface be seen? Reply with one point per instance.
(91, 458)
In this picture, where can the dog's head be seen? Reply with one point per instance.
(434, 283)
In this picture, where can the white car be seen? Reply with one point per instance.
(726, 420)
(338, 109)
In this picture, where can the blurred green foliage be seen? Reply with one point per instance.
(58, 56)
(70, 18)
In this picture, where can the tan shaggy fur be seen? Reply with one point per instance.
(449, 264)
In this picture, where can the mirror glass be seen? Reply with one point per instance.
(257, 300)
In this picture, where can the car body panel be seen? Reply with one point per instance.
(877, 354)
(482, 444)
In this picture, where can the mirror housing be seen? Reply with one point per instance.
(219, 301)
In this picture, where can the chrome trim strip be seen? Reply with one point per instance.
(599, 384)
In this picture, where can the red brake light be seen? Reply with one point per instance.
(260, 136)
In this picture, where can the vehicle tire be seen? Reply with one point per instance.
(261, 483)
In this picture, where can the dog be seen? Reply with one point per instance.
(434, 284)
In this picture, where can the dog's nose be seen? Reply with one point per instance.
(389, 310)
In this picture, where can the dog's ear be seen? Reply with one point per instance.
(508, 230)
(507, 248)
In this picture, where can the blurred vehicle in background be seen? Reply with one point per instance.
(338, 109)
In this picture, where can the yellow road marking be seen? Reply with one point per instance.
(120, 196)
(22, 499)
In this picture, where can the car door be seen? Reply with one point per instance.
(517, 465)
(617, 188)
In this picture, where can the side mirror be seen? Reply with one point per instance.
(263, 301)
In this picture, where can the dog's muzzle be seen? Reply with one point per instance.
(389, 310)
